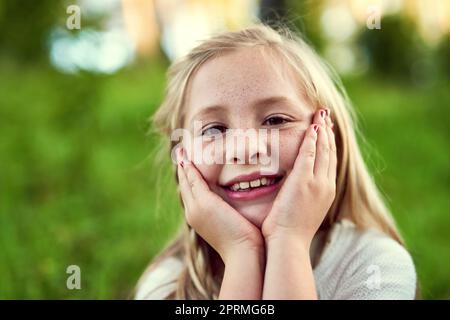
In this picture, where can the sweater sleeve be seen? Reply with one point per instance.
(380, 269)
(160, 282)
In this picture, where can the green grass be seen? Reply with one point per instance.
(78, 184)
(407, 130)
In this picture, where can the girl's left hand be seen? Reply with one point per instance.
(309, 190)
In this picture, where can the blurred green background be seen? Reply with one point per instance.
(79, 184)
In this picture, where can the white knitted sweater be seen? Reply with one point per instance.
(354, 265)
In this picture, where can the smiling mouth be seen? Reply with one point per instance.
(246, 186)
(253, 186)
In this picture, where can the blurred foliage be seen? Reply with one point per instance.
(406, 127)
(24, 40)
(300, 15)
(443, 56)
(305, 16)
(79, 181)
(395, 49)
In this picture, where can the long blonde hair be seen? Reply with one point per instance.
(357, 196)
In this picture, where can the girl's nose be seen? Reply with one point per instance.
(246, 148)
(239, 158)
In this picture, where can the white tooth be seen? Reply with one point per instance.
(244, 185)
(235, 187)
(264, 181)
(255, 183)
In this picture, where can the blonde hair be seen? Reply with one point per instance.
(357, 196)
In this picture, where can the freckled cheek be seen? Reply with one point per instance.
(210, 173)
(290, 141)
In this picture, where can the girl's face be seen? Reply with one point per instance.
(242, 90)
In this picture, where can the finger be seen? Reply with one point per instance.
(332, 143)
(328, 119)
(332, 167)
(185, 189)
(320, 117)
(197, 184)
(322, 157)
(321, 163)
(304, 164)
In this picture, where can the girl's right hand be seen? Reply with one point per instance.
(211, 217)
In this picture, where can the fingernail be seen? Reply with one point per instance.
(323, 113)
(316, 127)
(184, 157)
(178, 153)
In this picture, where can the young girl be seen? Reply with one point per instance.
(312, 227)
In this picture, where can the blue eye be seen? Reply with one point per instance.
(216, 130)
(275, 120)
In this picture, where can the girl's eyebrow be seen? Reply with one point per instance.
(260, 103)
(204, 111)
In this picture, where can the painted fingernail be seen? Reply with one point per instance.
(323, 113)
(316, 127)
(184, 157)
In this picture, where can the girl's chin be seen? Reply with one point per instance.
(255, 213)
